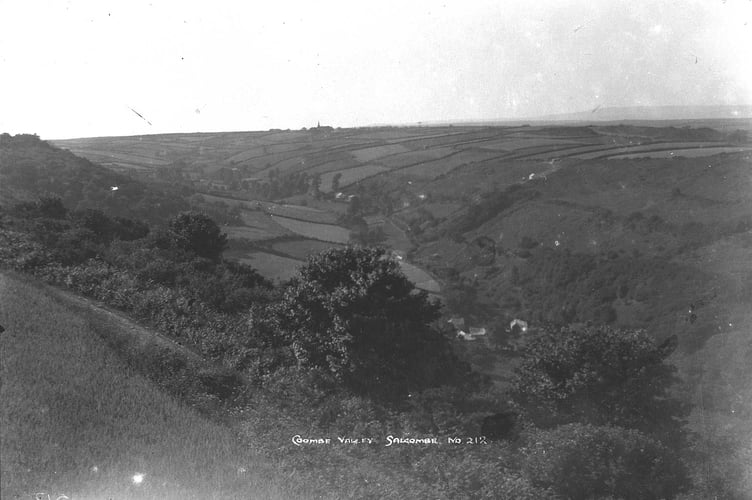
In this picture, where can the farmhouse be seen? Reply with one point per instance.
(518, 326)
(471, 334)
(458, 323)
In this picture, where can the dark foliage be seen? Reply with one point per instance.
(582, 461)
(500, 426)
(196, 232)
(352, 313)
(602, 376)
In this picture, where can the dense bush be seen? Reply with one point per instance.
(352, 313)
(602, 376)
(197, 233)
(582, 461)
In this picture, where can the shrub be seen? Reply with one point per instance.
(599, 375)
(585, 461)
(197, 233)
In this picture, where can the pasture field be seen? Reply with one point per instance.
(254, 233)
(413, 157)
(454, 138)
(308, 214)
(570, 151)
(299, 162)
(422, 279)
(515, 143)
(246, 155)
(260, 219)
(398, 134)
(640, 148)
(283, 162)
(349, 176)
(122, 158)
(685, 153)
(302, 249)
(434, 169)
(322, 232)
(78, 421)
(334, 207)
(230, 202)
(340, 164)
(273, 267)
(370, 154)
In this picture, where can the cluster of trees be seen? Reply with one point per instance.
(569, 287)
(284, 185)
(360, 232)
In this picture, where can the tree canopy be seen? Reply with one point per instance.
(351, 312)
(198, 233)
(599, 375)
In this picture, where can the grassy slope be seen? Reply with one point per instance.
(70, 404)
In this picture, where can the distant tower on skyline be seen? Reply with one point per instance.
(318, 124)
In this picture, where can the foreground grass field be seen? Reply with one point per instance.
(76, 420)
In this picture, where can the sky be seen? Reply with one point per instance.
(89, 68)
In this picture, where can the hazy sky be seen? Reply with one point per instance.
(78, 68)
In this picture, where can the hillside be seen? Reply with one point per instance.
(78, 420)
(30, 168)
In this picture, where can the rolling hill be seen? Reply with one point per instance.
(31, 168)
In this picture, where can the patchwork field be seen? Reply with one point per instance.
(370, 154)
(415, 157)
(349, 176)
(431, 174)
(434, 169)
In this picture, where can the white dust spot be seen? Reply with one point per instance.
(138, 478)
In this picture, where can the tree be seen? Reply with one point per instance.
(599, 375)
(335, 181)
(315, 189)
(52, 207)
(352, 313)
(364, 235)
(198, 233)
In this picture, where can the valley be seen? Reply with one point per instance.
(636, 227)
